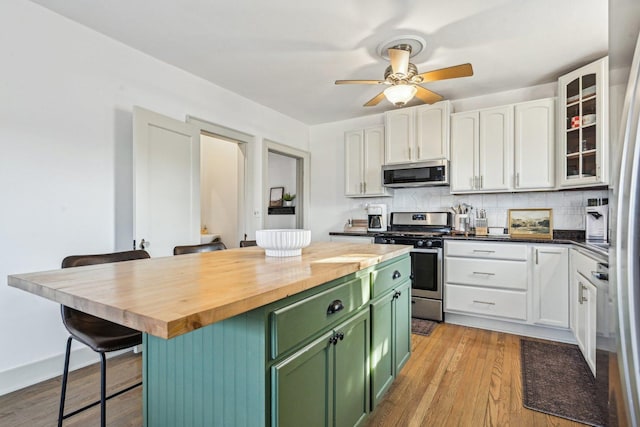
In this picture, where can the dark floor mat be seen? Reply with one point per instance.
(422, 326)
(556, 380)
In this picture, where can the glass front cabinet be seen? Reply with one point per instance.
(583, 126)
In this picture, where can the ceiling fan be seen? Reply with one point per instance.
(404, 81)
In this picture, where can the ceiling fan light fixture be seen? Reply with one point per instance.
(399, 95)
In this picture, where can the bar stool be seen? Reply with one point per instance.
(245, 243)
(101, 335)
(216, 245)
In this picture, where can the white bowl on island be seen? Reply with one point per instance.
(283, 242)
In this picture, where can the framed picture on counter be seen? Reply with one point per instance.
(531, 223)
(275, 197)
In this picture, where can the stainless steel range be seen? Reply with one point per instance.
(424, 231)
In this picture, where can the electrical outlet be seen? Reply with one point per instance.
(256, 213)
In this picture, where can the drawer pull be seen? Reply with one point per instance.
(484, 274)
(484, 251)
(396, 275)
(484, 302)
(335, 307)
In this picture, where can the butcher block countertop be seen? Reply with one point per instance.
(171, 296)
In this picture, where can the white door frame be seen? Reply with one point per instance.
(243, 140)
(304, 161)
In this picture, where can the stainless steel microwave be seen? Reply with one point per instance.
(420, 174)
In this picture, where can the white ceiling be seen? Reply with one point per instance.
(286, 54)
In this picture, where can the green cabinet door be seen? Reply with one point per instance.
(402, 326)
(382, 368)
(351, 373)
(302, 386)
(327, 382)
(390, 338)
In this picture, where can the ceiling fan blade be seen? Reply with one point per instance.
(375, 100)
(399, 61)
(462, 70)
(360, 82)
(427, 96)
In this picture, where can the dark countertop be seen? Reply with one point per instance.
(560, 237)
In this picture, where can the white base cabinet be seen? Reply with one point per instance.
(551, 285)
(519, 282)
(586, 306)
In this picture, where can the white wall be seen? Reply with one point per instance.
(65, 138)
(219, 188)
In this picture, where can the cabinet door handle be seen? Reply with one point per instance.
(396, 295)
(396, 275)
(484, 302)
(481, 183)
(517, 179)
(409, 153)
(335, 307)
(340, 335)
(419, 152)
(484, 274)
(365, 188)
(600, 275)
(536, 256)
(581, 289)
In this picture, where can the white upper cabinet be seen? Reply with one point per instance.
(417, 133)
(465, 134)
(583, 150)
(495, 153)
(535, 144)
(507, 148)
(432, 131)
(481, 150)
(364, 154)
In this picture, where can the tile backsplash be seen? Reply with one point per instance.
(568, 206)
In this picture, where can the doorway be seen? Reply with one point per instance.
(221, 182)
(286, 167)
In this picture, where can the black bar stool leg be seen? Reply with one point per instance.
(103, 390)
(65, 374)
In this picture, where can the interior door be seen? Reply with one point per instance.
(166, 193)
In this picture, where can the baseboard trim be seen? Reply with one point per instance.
(45, 369)
(533, 331)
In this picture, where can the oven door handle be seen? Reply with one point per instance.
(427, 251)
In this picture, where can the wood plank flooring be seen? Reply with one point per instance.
(458, 376)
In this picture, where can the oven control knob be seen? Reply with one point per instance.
(420, 243)
(429, 243)
(392, 241)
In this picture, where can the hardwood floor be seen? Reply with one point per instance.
(37, 406)
(461, 376)
(458, 376)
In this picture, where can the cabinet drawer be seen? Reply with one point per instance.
(292, 324)
(472, 249)
(583, 263)
(491, 302)
(486, 272)
(390, 276)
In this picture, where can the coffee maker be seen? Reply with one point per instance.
(597, 223)
(377, 217)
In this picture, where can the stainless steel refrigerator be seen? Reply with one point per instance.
(624, 370)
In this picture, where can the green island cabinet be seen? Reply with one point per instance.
(312, 359)
(390, 325)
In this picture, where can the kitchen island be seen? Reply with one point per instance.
(236, 338)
